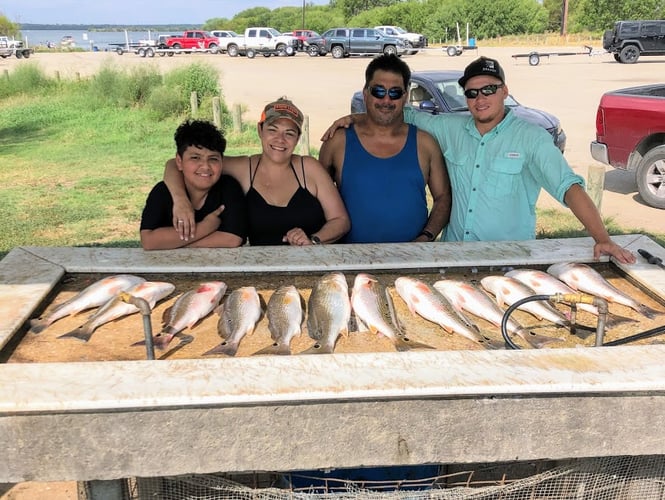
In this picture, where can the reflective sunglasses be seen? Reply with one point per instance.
(394, 93)
(486, 90)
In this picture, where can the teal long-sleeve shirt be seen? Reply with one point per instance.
(496, 178)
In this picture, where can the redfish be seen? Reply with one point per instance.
(285, 317)
(328, 312)
(238, 317)
(94, 295)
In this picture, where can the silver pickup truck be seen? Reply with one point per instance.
(9, 47)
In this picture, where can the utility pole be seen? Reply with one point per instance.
(303, 14)
(564, 18)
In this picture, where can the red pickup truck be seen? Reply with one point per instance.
(193, 39)
(630, 135)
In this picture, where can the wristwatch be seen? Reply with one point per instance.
(315, 240)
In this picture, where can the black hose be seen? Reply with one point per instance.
(638, 336)
(509, 311)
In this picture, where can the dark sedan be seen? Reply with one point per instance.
(438, 92)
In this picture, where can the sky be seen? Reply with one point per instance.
(131, 12)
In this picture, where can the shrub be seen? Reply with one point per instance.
(26, 79)
(200, 78)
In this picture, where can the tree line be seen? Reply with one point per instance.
(437, 19)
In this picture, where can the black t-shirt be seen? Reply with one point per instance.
(158, 210)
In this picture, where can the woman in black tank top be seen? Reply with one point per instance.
(291, 199)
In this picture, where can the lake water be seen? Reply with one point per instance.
(87, 39)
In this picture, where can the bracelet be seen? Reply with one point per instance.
(425, 232)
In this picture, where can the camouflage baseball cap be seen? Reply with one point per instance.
(282, 108)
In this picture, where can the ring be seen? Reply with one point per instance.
(180, 221)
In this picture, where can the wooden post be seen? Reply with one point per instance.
(194, 104)
(596, 183)
(237, 118)
(217, 112)
(78, 76)
(57, 76)
(6, 74)
(304, 137)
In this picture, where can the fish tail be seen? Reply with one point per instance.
(160, 341)
(319, 349)
(80, 333)
(614, 320)
(276, 348)
(403, 343)
(227, 348)
(536, 340)
(649, 312)
(37, 326)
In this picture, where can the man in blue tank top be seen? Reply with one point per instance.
(382, 165)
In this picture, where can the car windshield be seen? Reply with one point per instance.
(233, 34)
(453, 94)
(273, 32)
(399, 30)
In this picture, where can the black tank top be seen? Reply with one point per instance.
(269, 223)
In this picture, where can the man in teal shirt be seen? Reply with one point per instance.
(498, 164)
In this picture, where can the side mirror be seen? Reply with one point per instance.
(428, 106)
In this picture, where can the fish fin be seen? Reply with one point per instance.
(404, 343)
(229, 349)
(280, 349)
(80, 333)
(37, 326)
(360, 325)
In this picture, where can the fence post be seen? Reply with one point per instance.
(304, 137)
(237, 118)
(57, 75)
(217, 112)
(194, 104)
(6, 74)
(596, 184)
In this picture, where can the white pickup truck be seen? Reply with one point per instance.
(265, 41)
(9, 47)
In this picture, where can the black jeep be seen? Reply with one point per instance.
(629, 39)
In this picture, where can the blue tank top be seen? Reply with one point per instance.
(385, 197)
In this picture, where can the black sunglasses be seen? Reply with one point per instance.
(379, 91)
(486, 90)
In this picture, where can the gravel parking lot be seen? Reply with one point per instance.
(567, 86)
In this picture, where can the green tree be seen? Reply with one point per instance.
(8, 28)
(598, 15)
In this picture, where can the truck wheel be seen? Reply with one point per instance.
(629, 54)
(176, 46)
(337, 52)
(650, 177)
(19, 54)
(161, 54)
(251, 53)
(150, 52)
(290, 51)
(232, 50)
(141, 52)
(119, 51)
(451, 51)
(534, 59)
(390, 50)
(281, 49)
(170, 54)
(213, 48)
(26, 53)
(313, 50)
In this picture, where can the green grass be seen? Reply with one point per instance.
(78, 158)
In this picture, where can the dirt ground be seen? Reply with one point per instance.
(567, 86)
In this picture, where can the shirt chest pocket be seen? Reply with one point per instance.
(505, 176)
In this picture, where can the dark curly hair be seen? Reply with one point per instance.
(199, 133)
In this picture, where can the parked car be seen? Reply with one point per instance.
(315, 46)
(438, 92)
(224, 37)
(630, 135)
(411, 40)
(630, 39)
(302, 36)
(345, 42)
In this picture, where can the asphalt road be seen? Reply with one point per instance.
(567, 86)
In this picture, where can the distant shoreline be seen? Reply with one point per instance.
(107, 27)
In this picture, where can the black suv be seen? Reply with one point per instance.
(629, 39)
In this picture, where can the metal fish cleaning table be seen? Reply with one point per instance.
(102, 421)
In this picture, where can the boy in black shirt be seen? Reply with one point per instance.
(219, 207)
